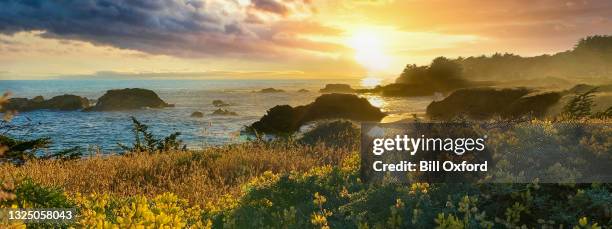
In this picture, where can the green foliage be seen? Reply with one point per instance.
(603, 114)
(441, 75)
(589, 58)
(32, 195)
(596, 43)
(580, 105)
(335, 197)
(333, 134)
(145, 141)
(19, 151)
(29, 194)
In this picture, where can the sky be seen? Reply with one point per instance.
(277, 39)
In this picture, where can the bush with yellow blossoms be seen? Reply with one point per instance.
(163, 211)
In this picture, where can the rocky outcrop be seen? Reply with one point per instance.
(62, 103)
(284, 119)
(337, 88)
(197, 114)
(224, 112)
(128, 99)
(219, 103)
(303, 91)
(270, 90)
(485, 103)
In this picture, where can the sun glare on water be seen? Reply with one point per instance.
(370, 81)
(369, 53)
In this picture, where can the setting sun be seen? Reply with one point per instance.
(369, 51)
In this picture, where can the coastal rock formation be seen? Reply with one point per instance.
(62, 103)
(128, 99)
(223, 112)
(303, 90)
(287, 119)
(219, 103)
(197, 114)
(485, 103)
(337, 88)
(270, 90)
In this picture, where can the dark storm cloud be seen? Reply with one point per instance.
(105, 17)
(187, 28)
(134, 24)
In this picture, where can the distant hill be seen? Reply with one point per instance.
(591, 57)
(590, 61)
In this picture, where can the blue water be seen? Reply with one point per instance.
(101, 131)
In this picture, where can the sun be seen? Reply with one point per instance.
(369, 51)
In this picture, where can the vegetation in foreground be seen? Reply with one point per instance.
(290, 185)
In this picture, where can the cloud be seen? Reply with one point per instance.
(502, 19)
(184, 28)
(213, 74)
(270, 6)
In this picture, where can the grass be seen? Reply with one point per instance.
(286, 185)
(198, 176)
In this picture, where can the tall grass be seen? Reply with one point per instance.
(198, 176)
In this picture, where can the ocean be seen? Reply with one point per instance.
(101, 131)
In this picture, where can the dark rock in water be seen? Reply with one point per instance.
(197, 114)
(485, 103)
(303, 90)
(19, 104)
(223, 112)
(337, 88)
(67, 103)
(287, 119)
(128, 99)
(270, 90)
(62, 103)
(219, 103)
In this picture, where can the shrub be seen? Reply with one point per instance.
(145, 141)
(580, 105)
(333, 134)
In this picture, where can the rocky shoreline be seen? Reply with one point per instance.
(112, 100)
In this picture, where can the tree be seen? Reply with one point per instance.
(442, 69)
(145, 141)
(580, 105)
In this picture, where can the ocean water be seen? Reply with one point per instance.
(101, 131)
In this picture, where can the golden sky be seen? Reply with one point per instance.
(277, 38)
